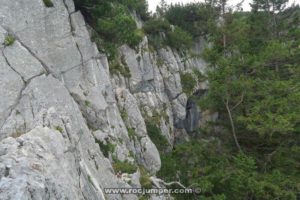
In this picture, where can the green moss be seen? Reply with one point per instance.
(124, 167)
(9, 40)
(106, 148)
(60, 129)
(87, 103)
(48, 3)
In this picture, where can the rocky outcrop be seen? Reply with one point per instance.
(53, 76)
(60, 105)
(155, 83)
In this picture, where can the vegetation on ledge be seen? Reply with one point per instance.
(113, 22)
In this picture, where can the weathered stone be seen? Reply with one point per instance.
(3, 34)
(35, 166)
(58, 98)
(11, 86)
(191, 122)
(22, 61)
(146, 151)
(150, 155)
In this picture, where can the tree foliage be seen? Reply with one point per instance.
(196, 18)
(113, 22)
(254, 85)
(203, 164)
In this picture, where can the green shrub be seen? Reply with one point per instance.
(156, 26)
(156, 117)
(124, 115)
(145, 179)
(220, 173)
(113, 23)
(188, 83)
(131, 133)
(124, 167)
(116, 68)
(120, 28)
(110, 49)
(140, 6)
(179, 39)
(106, 148)
(199, 75)
(9, 40)
(48, 3)
(156, 41)
(156, 136)
(134, 38)
(195, 18)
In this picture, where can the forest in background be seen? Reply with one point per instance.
(252, 152)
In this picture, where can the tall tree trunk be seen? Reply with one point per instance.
(232, 127)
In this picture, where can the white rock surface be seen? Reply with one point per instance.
(58, 100)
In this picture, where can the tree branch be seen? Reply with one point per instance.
(157, 183)
(241, 101)
(232, 124)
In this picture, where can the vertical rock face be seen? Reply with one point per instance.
(59, 105)
(155, 83)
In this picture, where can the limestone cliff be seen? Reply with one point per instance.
(60, 106)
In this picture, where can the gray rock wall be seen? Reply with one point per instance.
(156, 85)
(58, 101)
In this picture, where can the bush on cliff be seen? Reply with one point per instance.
(112, 22)
(161, 33)
(156, 136)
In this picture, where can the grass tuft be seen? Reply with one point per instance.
(9, 40)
